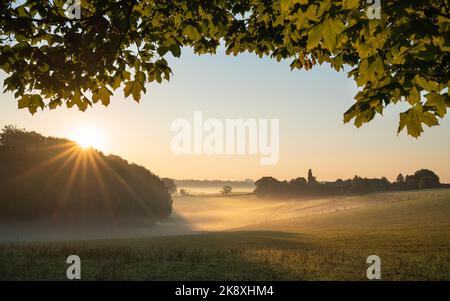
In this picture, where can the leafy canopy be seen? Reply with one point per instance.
(53, 60)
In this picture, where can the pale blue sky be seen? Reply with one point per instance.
(309, 105)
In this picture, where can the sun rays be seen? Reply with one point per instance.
(55, 182)
(86, 166)
(79, 169)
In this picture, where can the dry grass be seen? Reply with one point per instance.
(410, 231)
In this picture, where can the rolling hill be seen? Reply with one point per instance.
(55, 180)
(409, 231)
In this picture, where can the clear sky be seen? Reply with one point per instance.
(309, 105)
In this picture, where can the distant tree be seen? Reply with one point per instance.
(357, 184)
(425, 178)
(426, 182)
(400, 179)
(170, 185)
(382, 184)
(311, 178)
(12, 137)
(411, 182)
(183, 192)
(9, 135)
(226, 190)
(365, 185)
(267, 186)
(414, 181)
(271, 187)
(298, 181)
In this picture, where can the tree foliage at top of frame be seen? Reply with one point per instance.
(53, 60)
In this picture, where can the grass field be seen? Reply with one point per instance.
(323, 239)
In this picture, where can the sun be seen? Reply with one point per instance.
(87, 136)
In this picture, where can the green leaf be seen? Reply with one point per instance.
(414, 96)
(314, 36)
(75, 100)
(429, 119)
(411, 120)
(103, 95)
(286, 5)
(140, 76)
(24, 102)
(126, 75)
(330, 31)
(83, 104)
(134, 88)
(116, 83)
(175, 49)
(32, 102)
(54, 104)
(437, 101)
(311, 13)
(192, 33)
(426, 84)
(351, 4)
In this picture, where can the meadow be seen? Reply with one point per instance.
(245, 238)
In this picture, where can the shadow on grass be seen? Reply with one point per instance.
(89, 230)
(218, 256)
(249, 255)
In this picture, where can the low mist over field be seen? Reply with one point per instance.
(198, 214)
(316, 239)
(225, 213)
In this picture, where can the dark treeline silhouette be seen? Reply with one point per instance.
(53, 179)
(170, 185)
(271, 187)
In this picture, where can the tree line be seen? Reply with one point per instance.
(46, 178)
(271, 187)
